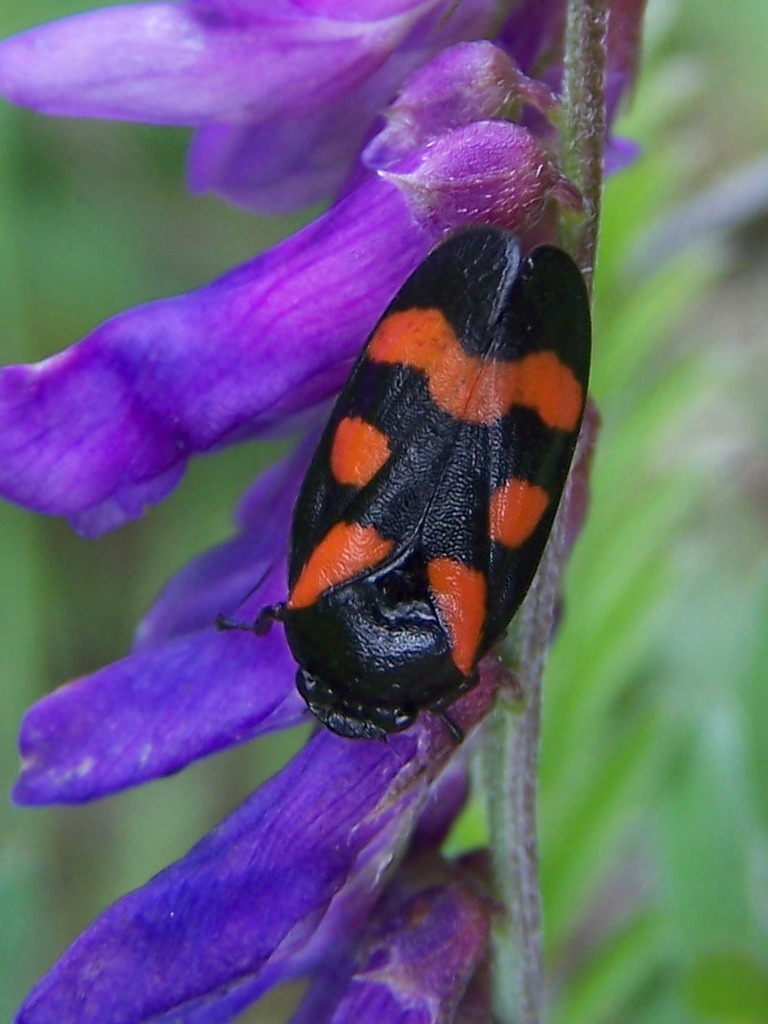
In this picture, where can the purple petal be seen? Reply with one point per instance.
(533, 34)
(302, 78)
(126, 504)
(278, 163)
(620, 153)
(268, 894)
(156, 62)
(96, 426)
(153, 712)
(427, 937)
(181, 697)
(176, 63)
(357, 10)
(625, 28)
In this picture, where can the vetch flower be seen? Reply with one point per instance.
(117, 415)
(288, 877)
(292, 101)
(282, 91)
(416, 958)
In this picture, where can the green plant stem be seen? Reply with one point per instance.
(511, 755)
(511, 768)
(582, 125)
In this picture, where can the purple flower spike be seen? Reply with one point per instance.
(418, 954)
(395, 108)
(489, 171)
(241, 72)
(272, 892)
(100, 429)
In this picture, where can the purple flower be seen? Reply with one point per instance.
(282, 92)
(292, 100)
(116, 417)
(157, 710)
(289, 876)
(415, 960)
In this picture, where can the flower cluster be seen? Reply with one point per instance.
(399, 110)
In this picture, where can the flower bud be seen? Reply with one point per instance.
(487, 172)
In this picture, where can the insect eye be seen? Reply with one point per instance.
(308, 685)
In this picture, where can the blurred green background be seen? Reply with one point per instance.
(655, 762)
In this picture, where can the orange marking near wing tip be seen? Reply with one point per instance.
(460, 593)
(346, 550)
(550, 387)
(472, 388)
(358, 452)
(515, 511)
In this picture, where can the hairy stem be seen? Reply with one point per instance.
(511, 778)
(582, 124)
(511, 756)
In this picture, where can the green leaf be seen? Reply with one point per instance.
(612, 979)
(730, 987)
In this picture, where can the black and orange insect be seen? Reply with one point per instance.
(429, 500)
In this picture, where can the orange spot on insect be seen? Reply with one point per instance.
(515, 511)
(423, 339)
(346, 550)
(550, 387)
(472, 388)
(358, 451)
(460, 593)
(418, 337)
